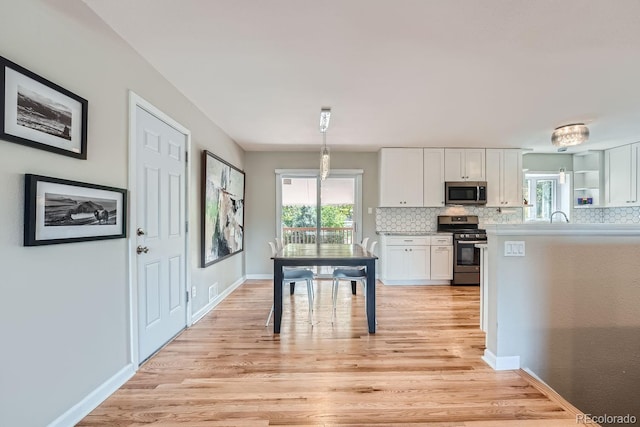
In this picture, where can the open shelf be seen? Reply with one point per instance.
(587, 178)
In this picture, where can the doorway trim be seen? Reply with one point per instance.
(136, 101)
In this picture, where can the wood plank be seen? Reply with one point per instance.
(423, 366)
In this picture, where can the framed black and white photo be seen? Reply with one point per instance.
(62, 211)
(222, 209)
(41, 114)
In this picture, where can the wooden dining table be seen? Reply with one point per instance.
(321, 254)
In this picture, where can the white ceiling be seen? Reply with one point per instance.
(490, 73)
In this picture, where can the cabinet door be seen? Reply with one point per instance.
(511, 178)
(462, 164)
(495, 161)
(418, 262)
(441, 262)
(395, 262)
(401, 177)
(433, 177)
(635, 174)
(618, 170)
(454, 164)
(504, 177)
(474, 164)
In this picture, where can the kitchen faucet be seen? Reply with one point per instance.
(563, 214)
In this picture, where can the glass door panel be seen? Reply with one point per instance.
(337, 206)
(299, 218)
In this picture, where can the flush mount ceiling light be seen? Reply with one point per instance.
(569, 135)
(325, 115)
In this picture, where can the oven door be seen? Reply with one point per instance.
(466, 257)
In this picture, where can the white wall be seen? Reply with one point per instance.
(569, 310)
(64, 319)
(260, 213)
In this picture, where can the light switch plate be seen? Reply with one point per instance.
(514, 248)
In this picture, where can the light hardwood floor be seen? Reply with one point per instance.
(422, 367)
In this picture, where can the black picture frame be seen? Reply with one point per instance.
(41, 114)
(222, 214)
(63, 211)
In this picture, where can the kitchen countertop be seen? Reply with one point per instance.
(412, 233)
(563, 228)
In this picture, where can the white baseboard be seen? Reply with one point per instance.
(415, 282)
(259, 276)
(503, 363)
(95, 398)
(217, 300)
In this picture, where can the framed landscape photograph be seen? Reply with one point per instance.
(62, 211)
(41, 114)
(222, 209)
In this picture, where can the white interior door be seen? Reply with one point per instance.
(161, 232)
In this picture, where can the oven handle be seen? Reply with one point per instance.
(471, 242)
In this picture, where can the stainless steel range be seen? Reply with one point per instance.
(466, 257)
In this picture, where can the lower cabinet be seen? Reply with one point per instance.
(441, 262)
(413, 260)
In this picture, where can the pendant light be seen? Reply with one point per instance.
(325, 115)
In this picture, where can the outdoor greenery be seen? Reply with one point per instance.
(305, 216)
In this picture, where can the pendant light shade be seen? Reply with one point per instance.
(569, 135)
(325, 159)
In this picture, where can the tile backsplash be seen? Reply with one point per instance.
(400, 220)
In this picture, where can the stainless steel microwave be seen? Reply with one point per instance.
(465, 192)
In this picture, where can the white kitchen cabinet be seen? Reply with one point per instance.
(401, 177)
(407, 258)
(441, 258)
(621, 175)
(416, 259)
(504, 177)
(464, 164)
(433, 177)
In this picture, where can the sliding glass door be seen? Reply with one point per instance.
(311, 210)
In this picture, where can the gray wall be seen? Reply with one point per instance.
(260, 213)
(65, 315)
(547, 162)
(569, 309)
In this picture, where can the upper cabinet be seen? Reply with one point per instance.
(433, 183)
(504, 177)
(588, 179)
(401, 177)
(464, 164)
(621, 175)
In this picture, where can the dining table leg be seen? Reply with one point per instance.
(278, 277)
(371, 295)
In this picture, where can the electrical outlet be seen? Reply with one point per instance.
(369, 211)
(194, 291)
(514, 248)
(213, 291)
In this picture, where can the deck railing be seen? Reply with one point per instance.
(308, 235)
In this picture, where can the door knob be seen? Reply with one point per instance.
(140, 232)
(142, 249)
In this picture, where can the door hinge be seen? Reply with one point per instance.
(186, 157)
(187, 296)
(186, 226)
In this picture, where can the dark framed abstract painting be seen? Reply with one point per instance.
(222, 209)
